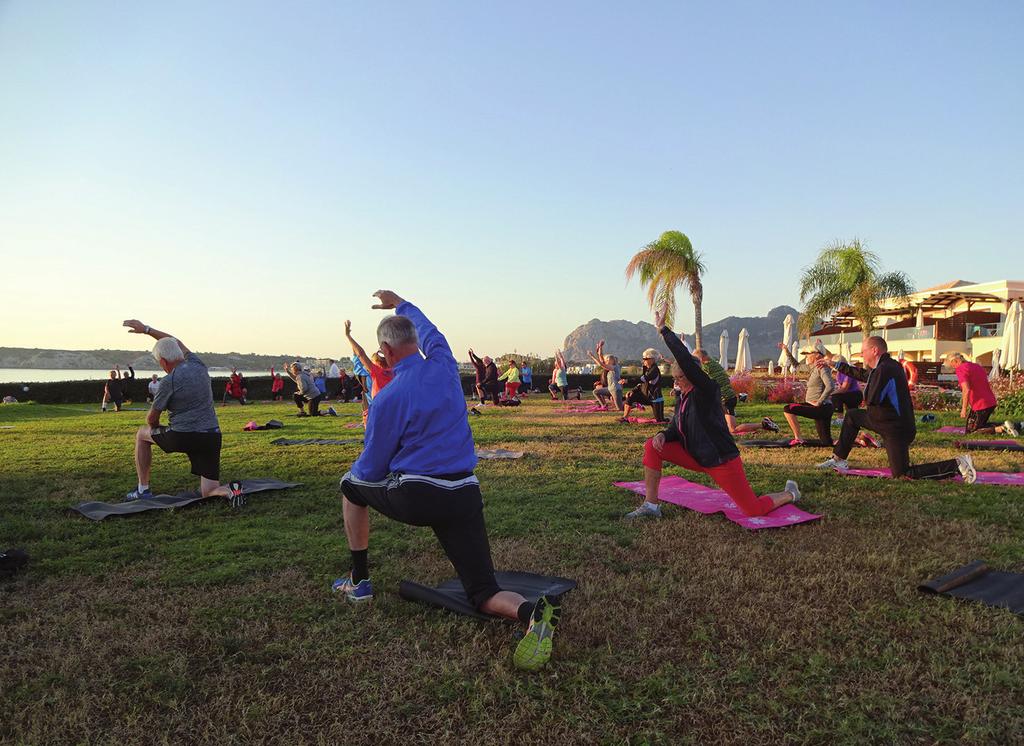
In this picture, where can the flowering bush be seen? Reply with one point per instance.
(784, 392)
(743, 383)
(935, 400)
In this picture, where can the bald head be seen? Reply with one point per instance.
(877, 343)
(872, 349)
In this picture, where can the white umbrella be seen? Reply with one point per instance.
(820, 346)
(743, 363)
(920, 317)
(723, 349)
(994, 373)
(771, 367)
(900, 356)
(1013, 359)
(787, 339)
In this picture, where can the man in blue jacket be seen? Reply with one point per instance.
(417, 468)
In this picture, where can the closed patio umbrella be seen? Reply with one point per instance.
(743, 361)
(994, 373)
(787, 339)
(723, 349)
(1012, 342)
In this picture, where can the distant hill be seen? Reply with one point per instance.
(24, 357)
(629, 340)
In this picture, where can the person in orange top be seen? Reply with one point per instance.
(380, 374)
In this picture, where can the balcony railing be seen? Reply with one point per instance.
(909, 333)
(977, 331)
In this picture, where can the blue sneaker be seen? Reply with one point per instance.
(136, 495)
(355, 592)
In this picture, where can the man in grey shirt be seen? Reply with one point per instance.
(817, 404)
(185, 392)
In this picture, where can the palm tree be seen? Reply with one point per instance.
(666, 265)
(848, 275)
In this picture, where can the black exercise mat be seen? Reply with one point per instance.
(978, 582)
(97, 511)
(314, 442)
(784, 444)
(989, 445)
(450, 594)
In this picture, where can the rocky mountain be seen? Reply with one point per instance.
(24, 357)
(629, 340)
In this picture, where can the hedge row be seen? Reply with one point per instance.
(81, 392)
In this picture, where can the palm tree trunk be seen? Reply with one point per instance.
(698, 318)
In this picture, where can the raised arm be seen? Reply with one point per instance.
(357, 349)
(432, 343)
(137, 327)
(860, 374)
(789, 355)
(689, 364)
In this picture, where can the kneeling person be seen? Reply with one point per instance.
(185, 392)
(417, 468)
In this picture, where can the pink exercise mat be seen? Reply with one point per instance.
(582, 408)
(951, 429)
(984, 477)
(707, 500)
(643, 421)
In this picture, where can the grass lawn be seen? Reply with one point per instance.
(208, 625)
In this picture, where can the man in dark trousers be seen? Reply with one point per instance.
(417, 468)
(889, 412)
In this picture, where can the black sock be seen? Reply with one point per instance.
(359, 570)
(525, 612)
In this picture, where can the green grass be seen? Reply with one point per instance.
(212, 625)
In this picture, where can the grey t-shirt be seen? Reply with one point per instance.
(187, 396)
(820, 387)
(307, 387)
(616, 376)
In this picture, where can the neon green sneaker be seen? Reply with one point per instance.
(534, 650)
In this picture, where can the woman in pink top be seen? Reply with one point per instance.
(978, 401)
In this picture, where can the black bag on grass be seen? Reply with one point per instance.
(11, 561)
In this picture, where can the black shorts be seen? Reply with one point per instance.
(729, 405)
(637, 396)
(824, 412)
(978, 420)
(451, 505)
(202, 449)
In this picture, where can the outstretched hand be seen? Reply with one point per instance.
(659, 317)
(348, 327)
(135, 326)
(388, 300)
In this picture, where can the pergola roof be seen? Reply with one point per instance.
(939, 300)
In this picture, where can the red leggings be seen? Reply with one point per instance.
(511, 389)
(729, 476)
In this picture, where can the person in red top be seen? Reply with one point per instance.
(276, 385)
(380, 375)
(978, 400)
(235, 388)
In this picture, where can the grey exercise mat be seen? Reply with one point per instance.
(492, 453)
(314, 442)
(978, 582)
(989, 445)
(97, 511)
(451, 596)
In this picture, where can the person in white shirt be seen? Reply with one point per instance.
(334, 379)
(154, 386)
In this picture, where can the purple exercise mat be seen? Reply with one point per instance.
(951, 429)
(707, 500)
(984, 477)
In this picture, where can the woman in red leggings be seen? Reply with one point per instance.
(698, 439)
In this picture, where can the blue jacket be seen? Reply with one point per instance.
(418, 423)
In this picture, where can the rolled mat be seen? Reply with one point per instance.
(984, 477)
(313, 442)
(582, 409)
(989, 445)
(97, 511)
(978, 582)
(709, 500)
(493, 453)
(950, 429)
(450, 594)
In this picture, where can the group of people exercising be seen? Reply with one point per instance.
(417, 464)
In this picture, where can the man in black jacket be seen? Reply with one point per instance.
(889, 412)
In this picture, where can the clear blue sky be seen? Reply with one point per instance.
(245, 174)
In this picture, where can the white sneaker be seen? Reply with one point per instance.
(1011, 429)
(838, 464)
(967, 470)
(792, 489)
(644, 511)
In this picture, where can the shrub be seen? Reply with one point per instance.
(784, 392)
(743, 383)
(935, 400)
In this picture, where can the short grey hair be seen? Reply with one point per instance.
(396, 331)
(168, 349)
